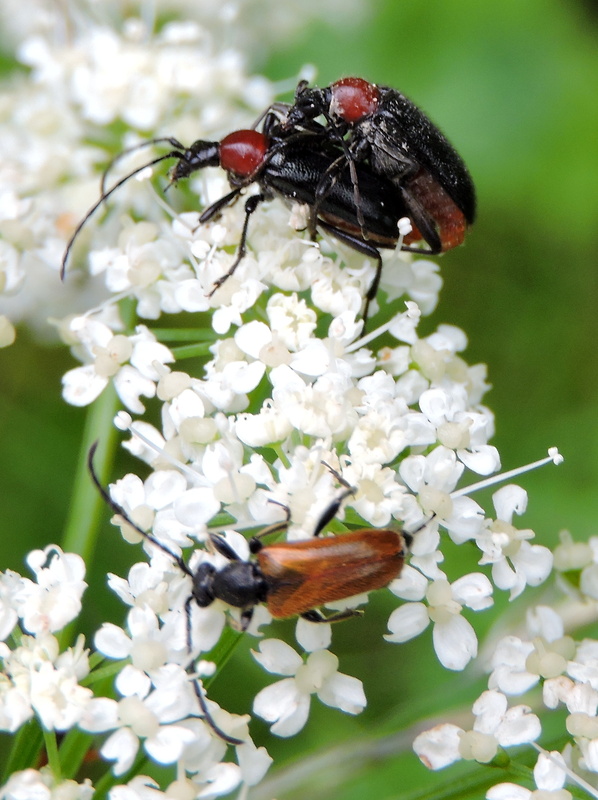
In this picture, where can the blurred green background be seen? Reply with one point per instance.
(514, 85)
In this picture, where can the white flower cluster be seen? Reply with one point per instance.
(78, 87)
(36, 678)
(568, 673)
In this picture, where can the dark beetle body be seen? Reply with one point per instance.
(296, 178)
(380, 125)
(292, 169)
(291, 578)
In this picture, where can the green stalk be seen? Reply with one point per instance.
(52, 753)
(83, 522)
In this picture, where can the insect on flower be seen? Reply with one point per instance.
(290, 578)
(297, 159)
(380, 126)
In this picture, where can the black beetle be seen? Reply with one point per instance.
(380, 126)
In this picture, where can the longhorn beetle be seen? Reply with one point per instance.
(291, 578)
(380, 126)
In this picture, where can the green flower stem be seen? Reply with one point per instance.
(25, 749)
(83, 523)
(198, 350)
(108, 671)
(52, 753)
(73, 749)
(185, 334)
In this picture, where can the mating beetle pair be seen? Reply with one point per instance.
(375, 160)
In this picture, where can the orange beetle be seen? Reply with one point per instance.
(291, 578)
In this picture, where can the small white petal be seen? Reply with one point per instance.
(344, 692)
(163, 487)
(549, 773)
(485, 460)
(411, 585)
(518, 727)
(168, 743)
(455, 643)
(220, 779)
(589, 751)
(195, 507)
(438, 747)
(112, 641)
(131, 681)
(509, 500)
(284, 705)
(278, 657)
(100, 715)
(82, 385)
(253, 761)
(508, 791)
(250, 338)
(505, 577)
(545, 621)
(407, 621)
(122, 748)
(130, 385)
(535, 561)
(313, 636)
(473, 590)
(489, 708)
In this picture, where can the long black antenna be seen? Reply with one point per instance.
(178, 152)
(118, 509)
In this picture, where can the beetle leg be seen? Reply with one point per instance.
(423, 222)
(361, 247)
(215, 209)
(250, 206)
(323, 189)
(317, 616)
(246, 617)
(332, 510)
(255, 543)
(222, 546)
(201, 699)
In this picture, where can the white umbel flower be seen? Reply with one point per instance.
(286, 703)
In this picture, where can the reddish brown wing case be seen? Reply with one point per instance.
(306, 574)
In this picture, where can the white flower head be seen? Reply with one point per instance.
(39, 680)
(495, 726)
(55, 599)
(515, 562)
(286, 703)
(130, 362)
(33, 784)
(454, 638)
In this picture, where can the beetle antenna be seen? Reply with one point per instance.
(255, 544)
(343, 481)
(174, 143)
(409, 536)
(201, 699)
(104, 196)
(118, 509)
